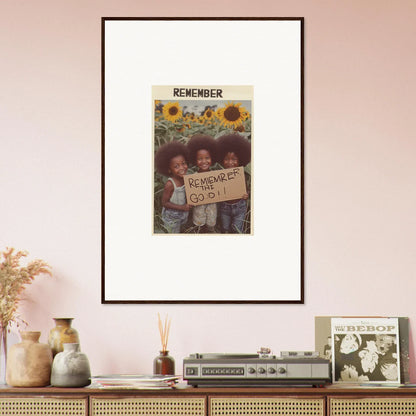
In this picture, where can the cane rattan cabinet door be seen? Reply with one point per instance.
(372, 406)
(266, 406)
(148, 406)
(43, 406)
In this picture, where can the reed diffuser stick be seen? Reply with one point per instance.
(164, 332)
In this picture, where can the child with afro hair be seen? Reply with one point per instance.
(233, 150)
(202, 154)
(171, 160)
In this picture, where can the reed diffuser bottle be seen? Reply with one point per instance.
(164, 364)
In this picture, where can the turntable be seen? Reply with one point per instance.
(261, 369)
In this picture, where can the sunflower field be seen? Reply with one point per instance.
(173, 121)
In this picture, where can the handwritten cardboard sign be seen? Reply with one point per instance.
(215, 186)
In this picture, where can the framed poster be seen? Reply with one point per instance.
(202, 160)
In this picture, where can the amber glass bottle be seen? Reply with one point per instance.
(164, 364)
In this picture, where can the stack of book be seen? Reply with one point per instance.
(120, 381)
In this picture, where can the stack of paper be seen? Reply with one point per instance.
(120, 381)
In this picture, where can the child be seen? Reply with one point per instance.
(233, 150)
(171, 160)
(202, 154)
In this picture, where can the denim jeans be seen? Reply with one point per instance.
(174, 219)
(232, 216)
(205, 215)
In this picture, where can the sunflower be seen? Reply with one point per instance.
(172, 111)
(209, 114)
(246, 115)
(158, 106)
(232, 115)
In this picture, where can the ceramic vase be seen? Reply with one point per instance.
(164, 364)
(70, 367)
(62, 333)
(29, 362)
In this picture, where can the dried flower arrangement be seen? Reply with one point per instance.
(164, 332)
(13, 278)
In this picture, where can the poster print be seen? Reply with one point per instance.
(365, 350)
(202, 142)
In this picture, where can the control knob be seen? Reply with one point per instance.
(251, 370)
(272, 370)
(261, 370)
(281, 370)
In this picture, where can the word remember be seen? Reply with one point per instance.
(198, 92)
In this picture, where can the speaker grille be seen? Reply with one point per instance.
(266, 406)
(148, 407)
(33, 406)
(373, 407)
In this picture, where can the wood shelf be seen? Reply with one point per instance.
(209, 401)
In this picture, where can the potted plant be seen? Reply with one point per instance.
(14, 278)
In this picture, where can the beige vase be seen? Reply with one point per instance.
(61, 334)
(29, 362)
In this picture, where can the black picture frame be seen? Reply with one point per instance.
(125, 243)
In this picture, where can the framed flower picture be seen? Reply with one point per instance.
(202, 160)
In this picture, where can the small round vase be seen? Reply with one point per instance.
(29, 362)
(70, 367)
(164, 364)
(62, 333)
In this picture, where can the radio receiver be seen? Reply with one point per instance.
(262, 369)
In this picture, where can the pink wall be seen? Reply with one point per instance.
(360, 199)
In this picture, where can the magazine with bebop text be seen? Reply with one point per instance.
(365, 350)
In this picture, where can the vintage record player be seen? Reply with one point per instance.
(261, 369)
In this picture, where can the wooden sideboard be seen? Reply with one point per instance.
(290, 401)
